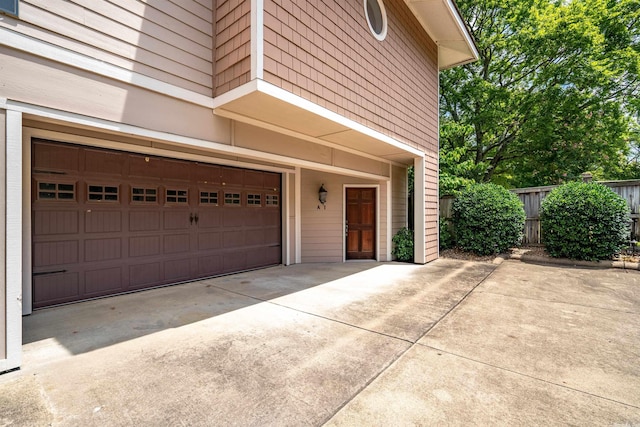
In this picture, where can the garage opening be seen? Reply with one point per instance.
(107, 222)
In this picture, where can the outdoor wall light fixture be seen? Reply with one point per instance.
(322, 196)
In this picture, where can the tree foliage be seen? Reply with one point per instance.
(552, 95)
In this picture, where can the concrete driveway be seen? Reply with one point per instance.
(342, 344)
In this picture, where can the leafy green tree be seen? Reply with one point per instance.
(551, 95)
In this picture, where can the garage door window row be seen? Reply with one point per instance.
(64, 191)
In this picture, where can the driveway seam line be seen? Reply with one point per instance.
(529, 376)
(413, 345)
(560, 302)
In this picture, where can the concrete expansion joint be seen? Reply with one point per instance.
(511, 371)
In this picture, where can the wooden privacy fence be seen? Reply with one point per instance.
(532, 198)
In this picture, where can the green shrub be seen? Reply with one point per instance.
(403, 245)
(446, 234)
(488, 219)
(585, 221)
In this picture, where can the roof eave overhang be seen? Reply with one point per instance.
(441, 19)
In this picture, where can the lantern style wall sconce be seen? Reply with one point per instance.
(322, 196)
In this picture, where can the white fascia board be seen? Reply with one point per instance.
(64, 56)
(307, 105)
(298, 101)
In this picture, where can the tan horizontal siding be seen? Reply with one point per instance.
(232, 44)
(399, 199)
(33, 80)
(159, 39)
(324, 52)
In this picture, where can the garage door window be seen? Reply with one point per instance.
(254, 199)
(144, 195)
(177, 196)
(272, 200)
(103, 193)
(56, 191)
(232, 199)
(209, 198)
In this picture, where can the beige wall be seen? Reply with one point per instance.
(46, 83)
(324, 52)
(431, 206)
(170, 41)
(399, 207)
(323, 229)
(232, 44)
(3, 287)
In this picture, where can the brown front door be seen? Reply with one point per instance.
(361, 223)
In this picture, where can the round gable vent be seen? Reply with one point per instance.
(376, 18)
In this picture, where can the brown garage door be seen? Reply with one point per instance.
(107, 222)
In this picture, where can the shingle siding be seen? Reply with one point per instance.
(325, 53)
(232, 44)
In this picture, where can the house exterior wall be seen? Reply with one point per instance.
(399, 202)
(170, 41)
(38, 81)
(322, 231)
(325, 53)
(232, 44)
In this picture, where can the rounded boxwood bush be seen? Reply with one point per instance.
(585, 221)
(487, 219)
(403, 245)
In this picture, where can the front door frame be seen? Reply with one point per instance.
(344, 219)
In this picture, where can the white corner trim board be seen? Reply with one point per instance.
(13, 272)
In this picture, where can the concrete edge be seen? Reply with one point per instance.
(572, 262)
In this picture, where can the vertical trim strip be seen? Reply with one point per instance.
(13, 272)
(389, 213)
(286, 214)
(419, 215)
(27, 286)
(257, 39)
(298, 212)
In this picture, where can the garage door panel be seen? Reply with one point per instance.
(177, 243)
(177, 269)
(144, 246)
(102, 281)
(104, 162)
(145, 275)
(122, 222)
(253, 179)
(234, 261)
(208, 241)
(272, 236)
(144, 167)
(102, 249)
(207, 174)
(146, 220)
(233, 239)
(97, 221)
(232, 177)
(176, 220)
(233, 217)
(48, 222)
(55, 157)
(55, 289)
(254, 237)
(210, 218)
(55, 253)
(210, 265)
